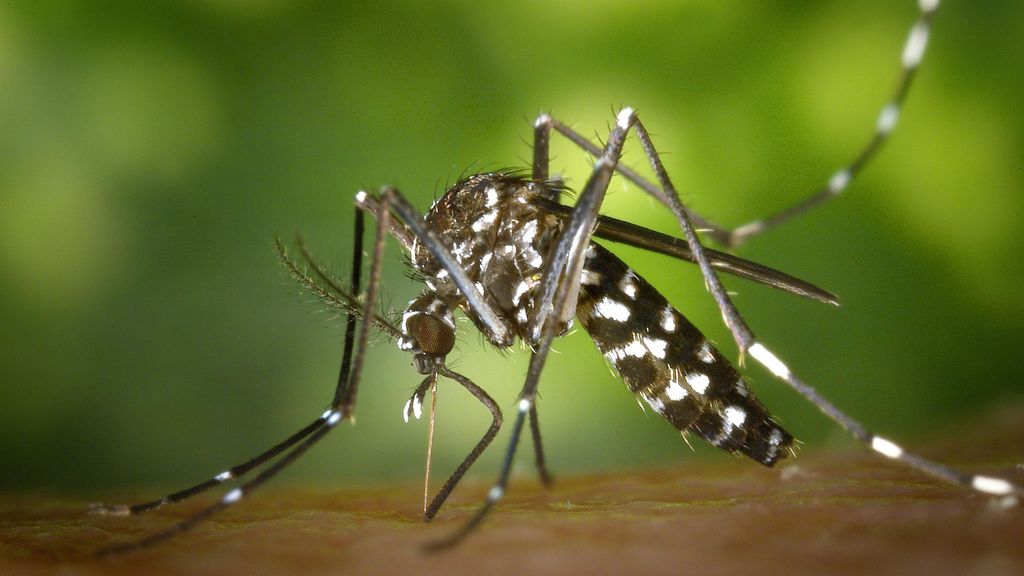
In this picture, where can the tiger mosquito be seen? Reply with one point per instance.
(520, 265)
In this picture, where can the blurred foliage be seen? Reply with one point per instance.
(149, 153)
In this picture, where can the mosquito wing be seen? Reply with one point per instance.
(627, 233)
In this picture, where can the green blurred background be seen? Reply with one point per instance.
(149, 155)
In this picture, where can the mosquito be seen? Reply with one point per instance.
(501, 248)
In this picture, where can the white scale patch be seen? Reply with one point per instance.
(495, 494)
(990, 485)
(436, 308)
(769, 360)
(839, 181)
(403, 342)
(486, 221)
(699, 382)
(886, 447)
(735, 417)
(536, 261)
(612, 310)
(668, 320)
(913, 50)
(628, 284)
(624, 117)
(590, 278)
(524, 405)
(523, 288)
(636, 348)
(675, 391)
(887, 119)
(656, 346)
(460, 251)
(705, 354)
(774, 440)
(492, 197)
(528, 231)
(417, 407)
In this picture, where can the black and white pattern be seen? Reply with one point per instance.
(666, 361)
(501, 249)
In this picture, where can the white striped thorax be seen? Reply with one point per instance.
(494, 229)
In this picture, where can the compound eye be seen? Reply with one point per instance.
(434, 337)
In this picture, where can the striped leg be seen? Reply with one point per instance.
(239, 470)
(747, 342)
(492, 431)
(985, 484)
(341, 407)
(910, 60)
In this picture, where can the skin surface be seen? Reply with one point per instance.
(844, 512)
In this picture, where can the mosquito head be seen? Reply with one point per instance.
(432, 339)
(428, 331)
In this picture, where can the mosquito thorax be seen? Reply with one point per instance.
(496, 231)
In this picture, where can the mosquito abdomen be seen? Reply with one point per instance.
(666, 360)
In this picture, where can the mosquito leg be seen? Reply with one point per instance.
(541, 147)
(538, 449)
(492, 431)
(715, 231)
(231, 473)
(345, 402)
(747, 342)
(737, 326)
(350, 320)
(910, 60)
(985, 484)
(565, 264)
(340, 409)
(239, 470)
(497, 491)
(231, 497)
